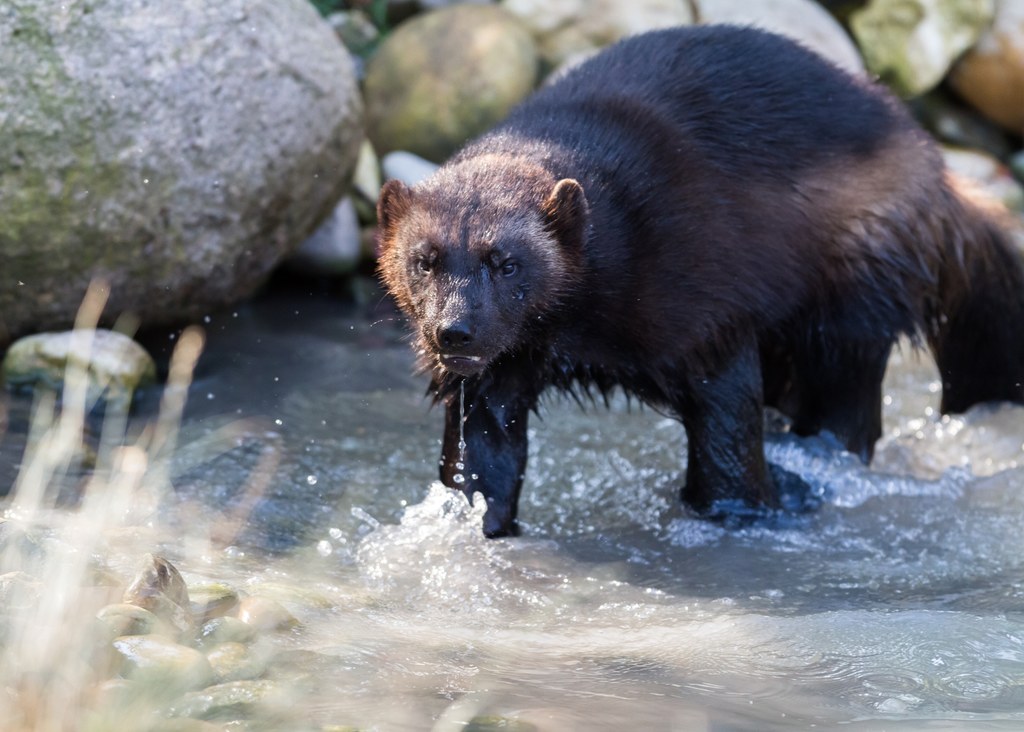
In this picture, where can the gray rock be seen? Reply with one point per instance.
(177, 150)
(114, 365)
(911, 44)
(407, 167)
(445, 76)
(333, 249)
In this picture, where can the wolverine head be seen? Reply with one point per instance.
(478, 254)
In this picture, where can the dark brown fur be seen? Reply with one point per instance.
(713, 219)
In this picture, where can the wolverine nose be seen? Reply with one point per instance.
(456, 335)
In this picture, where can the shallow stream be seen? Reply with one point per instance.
(306, 464)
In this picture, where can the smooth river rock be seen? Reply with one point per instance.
(991, 75)
(446, 76)
(911, 44)
(114, 365)
(177, 150)
(569, 30)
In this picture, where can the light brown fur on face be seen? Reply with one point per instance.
(483, 260)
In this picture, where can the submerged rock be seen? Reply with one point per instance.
(225, 630)
(176, 150)
(991, 75)
(236, 662)
(236, 700)
(911, 44)
(114, 365)
(446, 76)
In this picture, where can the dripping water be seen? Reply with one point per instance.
(460, 465)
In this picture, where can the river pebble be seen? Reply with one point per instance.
(126, 619)
(211, 601)
(236, 662)
(265, 614)
(225, 630)
(155, 659)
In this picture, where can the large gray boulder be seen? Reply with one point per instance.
(176, 149)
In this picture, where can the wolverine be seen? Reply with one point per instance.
(713, 219)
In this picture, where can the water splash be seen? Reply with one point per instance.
(437, 556)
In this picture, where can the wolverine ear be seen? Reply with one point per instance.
(393, 203)
(566, 213)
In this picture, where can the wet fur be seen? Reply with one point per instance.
(713, 219)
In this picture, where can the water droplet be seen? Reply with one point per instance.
(474, 476)
(459, 478)
(334, 532)
(460, 466)
(311, 479)
(324, 548)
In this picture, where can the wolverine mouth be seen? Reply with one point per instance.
(462, 364)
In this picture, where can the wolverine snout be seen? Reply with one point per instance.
(456, 337)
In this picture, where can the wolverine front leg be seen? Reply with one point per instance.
(494, 457)
(722, 411)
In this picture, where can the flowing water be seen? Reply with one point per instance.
(306, 464)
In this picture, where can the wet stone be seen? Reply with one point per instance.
(235, 700)
(126, 619)
(114, 364)
(295, 594)
(236, 662)
(492, 723)
(225, 630)
(265, 614)
(211, 601)
(157, 660)
(159, 588)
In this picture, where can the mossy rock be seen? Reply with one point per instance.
(911, 44)
(446, 76)
(177, 151)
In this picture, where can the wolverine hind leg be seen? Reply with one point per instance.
(727, 474)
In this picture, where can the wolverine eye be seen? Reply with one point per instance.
(509, 268)
(425, 262)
